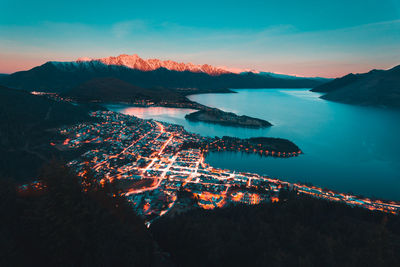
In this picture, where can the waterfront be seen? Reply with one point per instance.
(159, 167)
(346, 148)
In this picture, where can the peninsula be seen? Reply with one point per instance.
(217, 116)
(113, 90)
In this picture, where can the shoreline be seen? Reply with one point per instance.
(183, 161)
(203, 113)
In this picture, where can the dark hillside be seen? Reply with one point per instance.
(66, 225)
(293, 232)
(375, 88)
(25, 130)
(110, 89)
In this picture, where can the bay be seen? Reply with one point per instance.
(346, 148)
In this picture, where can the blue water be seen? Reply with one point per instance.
(346, 148)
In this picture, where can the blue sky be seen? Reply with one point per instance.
(309, 38)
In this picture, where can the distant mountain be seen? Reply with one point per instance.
(337, 83)
(375, 88)
(62, 76)
(285, 76)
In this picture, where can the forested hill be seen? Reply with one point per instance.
(375, 88)
(296, 231)
(64, 224)
(26, 121)
(68, 223)
(109, 89)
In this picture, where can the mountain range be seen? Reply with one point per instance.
(285, 76)
(375, 88)
(136, 62)
(130, 77)
(188, 78)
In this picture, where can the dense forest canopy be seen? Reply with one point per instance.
(27, 125)
(76, 222)
(66, 224)
(296, 231)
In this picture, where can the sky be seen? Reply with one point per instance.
(305, 38)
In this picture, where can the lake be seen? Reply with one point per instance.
(346, 148)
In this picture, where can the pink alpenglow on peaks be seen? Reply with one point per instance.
(238, 70)
(136, 62)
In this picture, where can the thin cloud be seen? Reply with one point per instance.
(281, 48)
(126, 28)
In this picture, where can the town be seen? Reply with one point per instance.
(160, 168)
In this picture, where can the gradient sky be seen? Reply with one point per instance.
(308, 38)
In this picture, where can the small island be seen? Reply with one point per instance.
(264, 146)
(217, 116)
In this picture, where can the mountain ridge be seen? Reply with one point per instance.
(286, 76)
(136, 62)
(54, 76)
(374, 88)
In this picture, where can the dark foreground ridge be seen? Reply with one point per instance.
(27, 124)
(74, 221)
(296, 231)
(70, 222)
(227, 118)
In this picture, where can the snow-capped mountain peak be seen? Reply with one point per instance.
(136, 62)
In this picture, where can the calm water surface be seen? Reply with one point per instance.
(346, 148)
